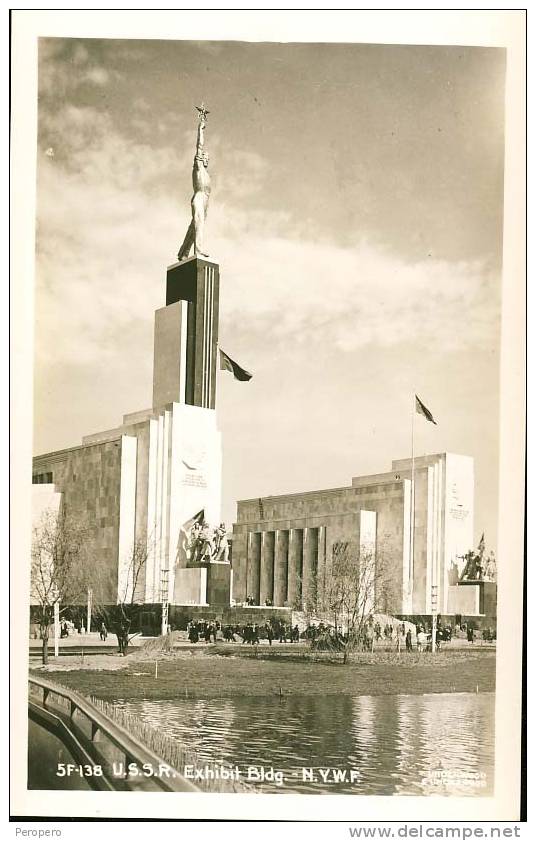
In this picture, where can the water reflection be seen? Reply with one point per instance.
(406, 744)
(410, 745)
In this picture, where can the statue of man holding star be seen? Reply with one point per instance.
(201, 185)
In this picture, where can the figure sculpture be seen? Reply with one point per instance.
(472, 570)
(201, 185)
(221, 551)
(207, 545)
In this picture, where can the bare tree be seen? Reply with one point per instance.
(58, 550)
(353, 586)
(130, 594)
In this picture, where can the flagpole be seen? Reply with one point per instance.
(420, 408)
(412, 505)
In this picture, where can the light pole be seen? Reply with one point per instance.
(165, 600)
(434, 616)
(89, 607)
(56, 628)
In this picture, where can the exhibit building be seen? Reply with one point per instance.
(149, 491)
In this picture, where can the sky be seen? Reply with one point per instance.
(356, 214)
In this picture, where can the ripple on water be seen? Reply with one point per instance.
(397, 744)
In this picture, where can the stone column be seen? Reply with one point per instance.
(280, 568)
(310, 559)
(321, 563)
(295, 559)
(253, 565)
(267, 566)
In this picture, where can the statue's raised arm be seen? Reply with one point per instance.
(202, 121)
(201, 185)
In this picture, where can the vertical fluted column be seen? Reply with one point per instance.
(310, 558)
(321, 562)
(254, 564)
(267, 566)
(295, 558)
(280, 567)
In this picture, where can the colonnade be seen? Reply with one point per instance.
(283, 565)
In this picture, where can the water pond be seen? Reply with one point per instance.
(373, 745)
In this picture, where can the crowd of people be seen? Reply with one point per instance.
(372, 634)
(207, 631)
(249, 633)
(402, 635)
(320, 635)
(249, 601)
(68, 627)
(422, 640)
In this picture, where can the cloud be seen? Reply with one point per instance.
(112, 212)
(80, 54)
(297, 289)
(105, 222)
(65, 66)
(98, 75)
(245, 173)
(99, 157)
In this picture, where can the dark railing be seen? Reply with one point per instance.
(96, 741)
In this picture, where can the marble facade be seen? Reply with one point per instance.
(283, 546)
(141, 482)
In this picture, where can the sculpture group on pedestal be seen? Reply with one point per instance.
(206, 545)
(479, 568)
(472, 570)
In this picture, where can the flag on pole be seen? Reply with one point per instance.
(421, 409)
(481, 546)
(228, 364)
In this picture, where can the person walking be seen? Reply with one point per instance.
(422, 639)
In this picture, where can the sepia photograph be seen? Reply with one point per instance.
(265, 544)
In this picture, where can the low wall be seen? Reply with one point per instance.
(147, 618)
(180, 615)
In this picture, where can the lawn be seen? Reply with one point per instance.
(220, 673)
